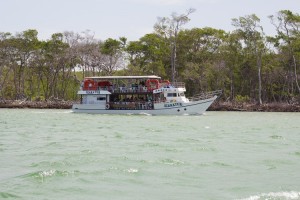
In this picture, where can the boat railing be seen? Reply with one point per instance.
(178, 84)
(119, 89)
(206, 95)
(131, 88)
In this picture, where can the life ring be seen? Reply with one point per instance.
(89, 84)
(152, 84)
(107, 106)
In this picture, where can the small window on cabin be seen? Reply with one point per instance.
(101, 98)
(172, 94)
(181, 94)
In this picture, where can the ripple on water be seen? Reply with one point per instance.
(172, 162)
(221, 164)
(151, 130)
(172, 150)
(47, 174)
(6, 195)
(277, 137)
(297, 153)
(151, 144)
(204, 149)
(132, 170)
(55, 164)
(292, 195)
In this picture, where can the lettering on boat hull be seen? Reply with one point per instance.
(167, 105)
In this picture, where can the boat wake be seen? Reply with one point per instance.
(292, 195)
(143, 113)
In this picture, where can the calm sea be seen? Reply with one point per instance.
(56, 154)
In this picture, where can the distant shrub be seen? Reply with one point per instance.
(38, 98)
(241, 99)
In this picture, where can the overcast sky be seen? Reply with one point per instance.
(130, 18)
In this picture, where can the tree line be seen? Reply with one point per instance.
(245, 63)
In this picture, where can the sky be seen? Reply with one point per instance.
(130, 18)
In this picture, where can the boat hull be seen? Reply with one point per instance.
(190, 108)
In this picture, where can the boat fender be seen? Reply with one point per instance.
(107, 106)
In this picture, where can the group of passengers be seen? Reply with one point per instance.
(131, 99)
(132, 103)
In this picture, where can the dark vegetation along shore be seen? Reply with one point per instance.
(36, 104)
(217, 106)
(256, 72)
(253, 107)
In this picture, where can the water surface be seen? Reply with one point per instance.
(56, 154)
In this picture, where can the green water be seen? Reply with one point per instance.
(56, 154)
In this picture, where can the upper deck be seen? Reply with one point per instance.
(125, 84)
(98, 78)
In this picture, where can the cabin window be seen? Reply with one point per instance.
(172, 94)
(181, 94)
(101, 98)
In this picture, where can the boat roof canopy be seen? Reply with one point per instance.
(122, 77)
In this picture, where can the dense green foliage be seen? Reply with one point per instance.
(245, 63)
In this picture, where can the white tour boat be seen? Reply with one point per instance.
(139, 95)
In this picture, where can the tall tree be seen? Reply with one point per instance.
(55, 55)
(6, 60)
(230, 51)
(287, 25)
(24, 44)
(149, 54)
(113, 49)
(199, 57)
(169, 29)
(252, 33)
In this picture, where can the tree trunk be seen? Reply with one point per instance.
(259, 78)
(295, 73)
(173, 63)
(231, 85)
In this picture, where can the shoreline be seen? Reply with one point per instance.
(36, 104)
(216, 106)
(253, 107)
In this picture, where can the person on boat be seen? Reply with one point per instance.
(81, 85)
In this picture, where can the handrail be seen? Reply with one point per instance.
(178, 84)
(205, 95)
